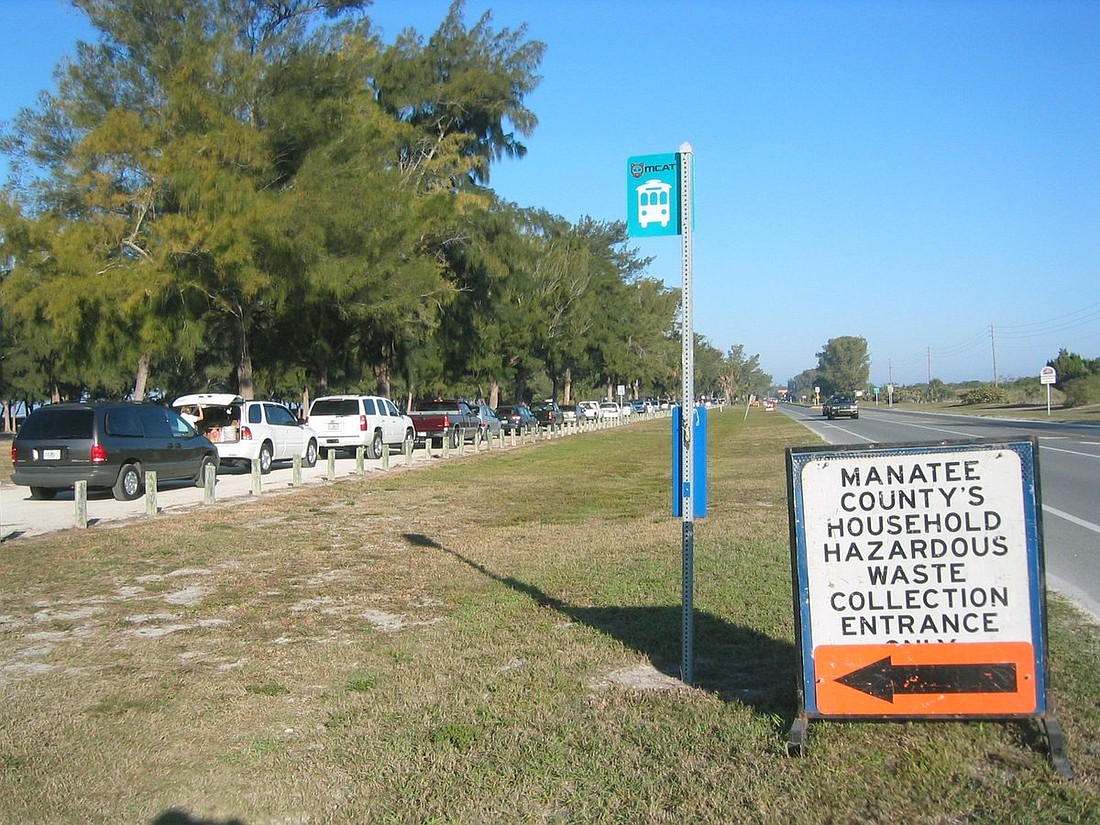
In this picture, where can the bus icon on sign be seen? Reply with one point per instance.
(653, 197)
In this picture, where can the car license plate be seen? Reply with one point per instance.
(334, 425)
(51, 455)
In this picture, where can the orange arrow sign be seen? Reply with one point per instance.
(976, 679)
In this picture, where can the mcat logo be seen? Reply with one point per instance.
(637, 169)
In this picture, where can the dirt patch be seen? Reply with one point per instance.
(643, 677)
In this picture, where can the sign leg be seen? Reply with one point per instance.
(1056, 746)
(798, 735)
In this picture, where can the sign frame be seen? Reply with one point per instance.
(996, 673)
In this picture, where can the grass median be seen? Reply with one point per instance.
(493, 639)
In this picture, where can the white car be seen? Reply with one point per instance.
(244, 431)
(346, 422)
(609, 409)
(591, 410)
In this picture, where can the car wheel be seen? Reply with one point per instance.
(310, 458)
(856, 415)
(43, 493)
(127, 486)
(266, 457)
(200, 479)
(456, 438)
(374, 449)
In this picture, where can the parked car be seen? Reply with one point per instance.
(490, 421)
(347, 422)
(610, 410)
(569, 413)
(244, 431)
(436, 419)
(625, 409)
(110, 445)
(549, 414)
(517, 418)
(591, 410)
(840, 405)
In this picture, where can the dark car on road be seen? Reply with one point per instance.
(549, 414)
(840, 406)
(109, 445)
(517, 419)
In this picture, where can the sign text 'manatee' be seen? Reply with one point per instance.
(923, 472)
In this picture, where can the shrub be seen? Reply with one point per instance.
(985, 395)
(1081, 391)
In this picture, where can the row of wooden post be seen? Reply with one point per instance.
(481, 437)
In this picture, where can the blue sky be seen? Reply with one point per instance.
(925, 175)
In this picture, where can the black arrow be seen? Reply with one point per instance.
(882, 679)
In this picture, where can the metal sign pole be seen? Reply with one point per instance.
(687, 419)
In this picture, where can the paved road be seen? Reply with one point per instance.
(1069, 477)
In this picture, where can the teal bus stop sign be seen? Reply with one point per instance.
(653, 195)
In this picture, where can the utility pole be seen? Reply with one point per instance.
(993, 344)
(930, 398)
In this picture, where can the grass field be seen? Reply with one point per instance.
(494, 639)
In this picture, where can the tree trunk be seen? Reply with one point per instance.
(494, 393)
(567, 388)
(521, 387)
(245, 387)
(382, 376)
(141, 380)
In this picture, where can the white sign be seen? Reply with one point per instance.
(916, 548)
(1048, 375)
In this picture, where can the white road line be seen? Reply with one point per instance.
(1071, 452)
(1080, 522)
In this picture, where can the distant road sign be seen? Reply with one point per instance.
(1048, 375)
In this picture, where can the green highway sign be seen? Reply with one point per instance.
(653, 195)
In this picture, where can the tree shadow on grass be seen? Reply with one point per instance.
(734, 662)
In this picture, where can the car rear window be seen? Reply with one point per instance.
(51, 423)
(436, 406)
(335, 406)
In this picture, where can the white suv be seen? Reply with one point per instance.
(243, 431)
(344, 422)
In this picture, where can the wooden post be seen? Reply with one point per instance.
(257, 484)
(296, 471)
(80, 494)
(150, 492)
(209, 475)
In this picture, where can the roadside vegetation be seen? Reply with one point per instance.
(495, 639)
(271, 199)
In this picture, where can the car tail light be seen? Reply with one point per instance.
(246, 433)
(362, 423)
(99, 454)
(13, 453)
(446, 421)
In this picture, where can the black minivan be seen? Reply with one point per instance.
(109, 444)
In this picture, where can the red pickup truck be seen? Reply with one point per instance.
(444, 418)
